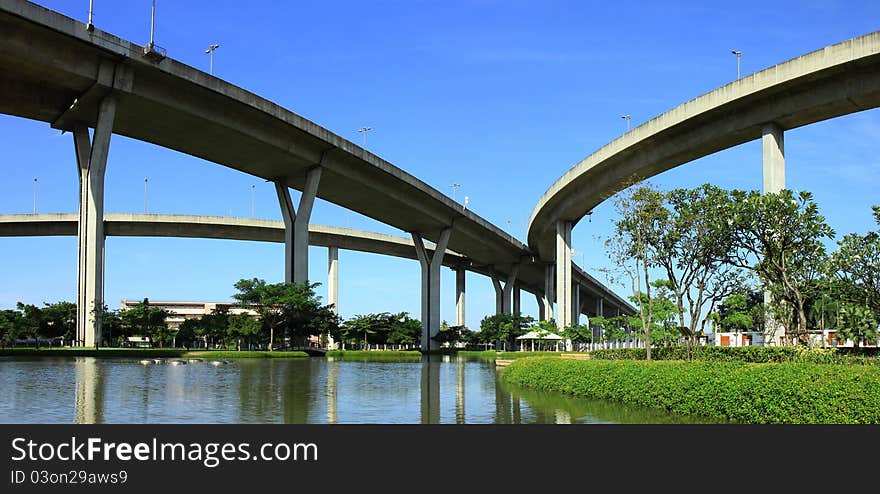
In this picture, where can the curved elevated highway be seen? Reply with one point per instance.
(53, 69)
(827, 83)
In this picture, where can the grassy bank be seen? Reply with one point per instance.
(792, 393)
(751, 354)
(144, 353)
(376, 355)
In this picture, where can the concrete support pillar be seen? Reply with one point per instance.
(296, 226)
(549, 298)
(600, 307)
(499, 295)
(773, 145)
(431, 287)
(517, 297)
(575, 304)
(563, 274)
(460, 296)
(507, 296)
(332, 285)
(542, 314)
(91, 157)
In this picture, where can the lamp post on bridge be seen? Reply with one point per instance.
(364, 130)
(145, 195)
(35, 195)
(253, 187)
(455, 187)
(627, 118)
(738, 57)
(210, 52)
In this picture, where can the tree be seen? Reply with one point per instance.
(243, 327)
(632, 247)
(691, 247)
(778, 236)
(857, 323)
(146, 320)
(60, 320)
(505, 328)
(290, 308)
(856, 263)
(11, 326)
(31, 322)
(663, 329)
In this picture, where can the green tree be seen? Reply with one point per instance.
(779, 237)
(147, 320)
(292, 309)
(857, 323)
(60, 320)
(505, 328)
(244, 327)
(632, 248)
(856, 263)
(32, 321)
(11, 326)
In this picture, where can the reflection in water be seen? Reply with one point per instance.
(430, 391)
(459, 392)
(89, 391)
(332, 383)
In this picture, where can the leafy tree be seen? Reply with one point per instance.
(404, 330)
(146, 320)
(691, 247)
(243, 327)
(59, 320)
(632, 247)
(31, 322)
(11, 326)
(663, 329)
(857, 264)
(857, 323)
(293, 309)
(449, 334)
(778, 236)
(505, 328)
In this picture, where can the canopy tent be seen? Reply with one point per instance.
(544, 340)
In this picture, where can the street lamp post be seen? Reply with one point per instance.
(627, 118)
(145, 195)
(738, 57)
(210, 52)
(455, 187)
(252, 199)
(364, 130)
(35, 195)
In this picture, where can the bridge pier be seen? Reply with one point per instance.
(91, 157)
(296, 226)
(563, 274)
(517, 297)
(504, 293)
(332, 286)
(431, 287)
(548, 294)
(460, 296)
(773, 150)
(542, 314)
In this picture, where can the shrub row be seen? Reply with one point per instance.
(753, 354)
(791, 393)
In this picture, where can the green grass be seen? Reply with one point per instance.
(752, 354)
(145, 353)
(794, 393)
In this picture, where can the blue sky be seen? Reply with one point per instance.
(500, 97)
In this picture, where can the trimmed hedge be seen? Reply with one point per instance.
(790, 393)
(492, 354)
(752, 354)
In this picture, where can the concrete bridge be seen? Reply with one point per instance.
(831, 82)
(593, 296)
(53, 69)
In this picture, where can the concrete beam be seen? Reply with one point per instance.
(430, 265)
(296, 226)
(91, 157)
